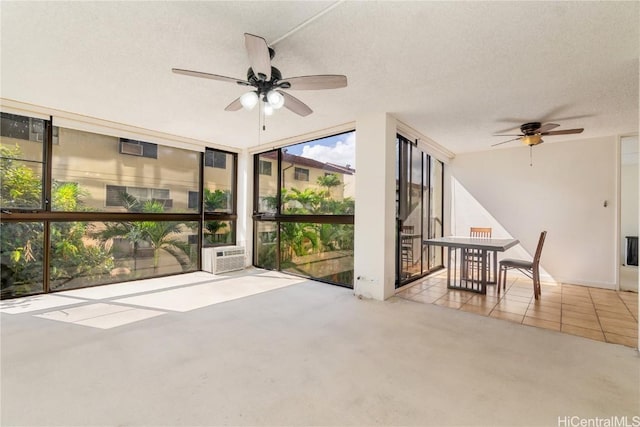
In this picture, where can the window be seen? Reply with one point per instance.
(218, 198)
(21, 162)
(193, 200)
(138, 148)
(138, 232)
(301, 174)
(25, 128)
(14, 126)
(215, 159)
(265, 167)
(304, 213)
(116, 195)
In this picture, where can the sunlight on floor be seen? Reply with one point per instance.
(147, 298)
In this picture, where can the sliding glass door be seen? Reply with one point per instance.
(418, 211)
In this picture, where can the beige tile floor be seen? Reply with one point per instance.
(599, 314)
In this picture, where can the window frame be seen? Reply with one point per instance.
(262, 169)
(279, 217)
(301, 172)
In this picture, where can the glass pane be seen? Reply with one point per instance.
(218, 233)
(21, 161)
(21, 254)
(218, 181)
(319, 251)
(267, 182)
(266, 244)
(435, 202)
(93, 172)
(318, 177)
(86, 254)
(411, 232)
(426, 211)
(415, 187)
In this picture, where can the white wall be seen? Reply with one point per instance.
(563, 192)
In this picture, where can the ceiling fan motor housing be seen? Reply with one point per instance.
(530, 128)
(264, 86)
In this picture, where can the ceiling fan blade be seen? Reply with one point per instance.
(509, 134)
(234, 106)
(295, 105)
(547, 127)
(210, 76)
(504, 142)
(563, 132)
(259, 56)
(328, 81)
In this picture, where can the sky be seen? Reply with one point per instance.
(338, 149)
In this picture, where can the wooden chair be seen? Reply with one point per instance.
(406, 245)
(480, 232)
(530, 269)
(472, 258)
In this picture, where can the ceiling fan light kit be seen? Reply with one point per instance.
(268, 83)
(275, 99)
(249, 100)
(532, 139)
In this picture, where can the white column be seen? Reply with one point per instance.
(374, 246)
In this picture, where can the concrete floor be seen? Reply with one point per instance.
(298, 353)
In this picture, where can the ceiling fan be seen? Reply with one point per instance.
(267, 82)
(533, 132)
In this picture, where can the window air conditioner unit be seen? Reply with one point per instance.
(130, 148)
(223, 259)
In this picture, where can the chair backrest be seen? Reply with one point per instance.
(480, 232)
(536, 257)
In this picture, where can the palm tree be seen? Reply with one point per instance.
(330, 181)
(215, 201)
(309, 199)
(297, 239)
(159, 234)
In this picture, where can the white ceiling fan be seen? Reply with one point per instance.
(267, 82)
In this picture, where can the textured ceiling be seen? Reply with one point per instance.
(456, 71)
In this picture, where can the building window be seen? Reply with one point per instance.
(116, 195)
(14, 126)
(215, 159)
(25, 128)
(138, 148)
(265, 167)
(301, 174)
(193, 200)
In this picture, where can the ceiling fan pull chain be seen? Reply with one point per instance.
(259, 133)
(531, 155)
